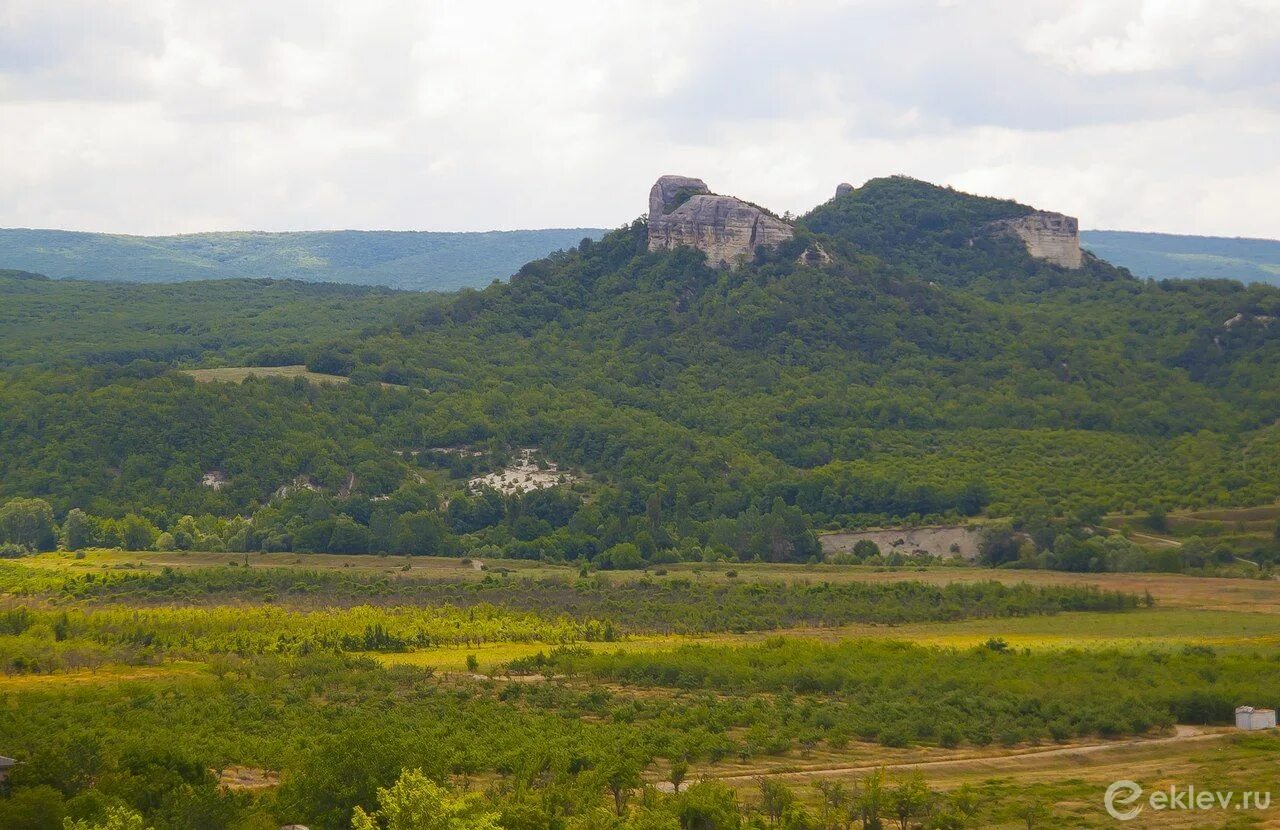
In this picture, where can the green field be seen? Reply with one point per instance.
(257, 689)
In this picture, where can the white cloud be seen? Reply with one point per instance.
(152, 116)
(1128, 36)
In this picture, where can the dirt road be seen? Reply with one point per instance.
(993, 763)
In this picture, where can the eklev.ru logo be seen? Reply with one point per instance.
(1124, 799)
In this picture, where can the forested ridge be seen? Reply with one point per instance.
(926, 371)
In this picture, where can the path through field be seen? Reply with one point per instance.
(1024, 760)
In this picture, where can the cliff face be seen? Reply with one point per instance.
(683, 211)
(1052, 237)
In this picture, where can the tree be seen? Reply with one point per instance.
(349, 536)
(116, 818)
(621, 776)
(679, 769)
(865, 549)
(958, 810)
(77, 530)
(708, 806)
(415, 802)
(421, 533)
(137, 533)
(835, 803)
(999, 545)
(27, 522)
(775, 798)
(620, 557)
(651, 820)
(1157, 519)
(1033, 813)
(909, 799)
(871, 801)
(32, 808)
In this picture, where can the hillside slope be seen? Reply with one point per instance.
(70, 323)
(418, 260)
(1170, 256)
(916, 368)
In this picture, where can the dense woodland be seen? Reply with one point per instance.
(927, 373)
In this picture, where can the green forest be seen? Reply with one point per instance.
(925, 374)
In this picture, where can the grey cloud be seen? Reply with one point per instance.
(164, 115)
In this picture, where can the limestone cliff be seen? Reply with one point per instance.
(684, 211)
(1052, 237)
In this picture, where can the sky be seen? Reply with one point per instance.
(174, 116)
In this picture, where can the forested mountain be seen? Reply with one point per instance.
(418, 260)
(919, 369)
(1164, 255)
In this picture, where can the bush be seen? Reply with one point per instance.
(9, 550)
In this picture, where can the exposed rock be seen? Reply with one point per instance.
(1242, 318)
(814, 255)
(843, 188)
(299, 483)
(683, 211)
(215, 479)
(1052, 237)
(526, 474)
(669, 192)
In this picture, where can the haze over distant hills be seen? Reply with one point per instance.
(446, 261)
(420, 260)
(1163, 255)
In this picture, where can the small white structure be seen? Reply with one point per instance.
(6, 765)
(1250, 718)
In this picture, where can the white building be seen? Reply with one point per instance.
(1249, 718)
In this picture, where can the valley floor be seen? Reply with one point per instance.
(1067, 778)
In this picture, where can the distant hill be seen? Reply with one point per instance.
(419, 260)
(1163, 255)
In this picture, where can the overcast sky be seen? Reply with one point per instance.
(166, 116)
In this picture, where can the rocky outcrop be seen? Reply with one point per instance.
(842, 189)
(1242, 318)
(684, 211)
(1052, 237)
(814, 255)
